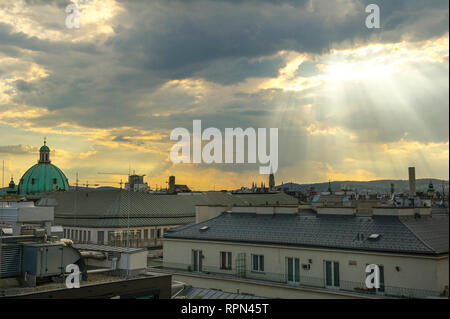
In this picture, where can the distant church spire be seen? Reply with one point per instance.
(271, 182)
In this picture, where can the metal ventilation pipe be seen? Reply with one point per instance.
(412, 181)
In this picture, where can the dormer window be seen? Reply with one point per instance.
(54, 181)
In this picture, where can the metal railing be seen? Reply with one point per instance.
(301, 281)
(136, 242)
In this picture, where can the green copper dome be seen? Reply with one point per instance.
(43, 177)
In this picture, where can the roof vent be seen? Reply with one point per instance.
(203, 228)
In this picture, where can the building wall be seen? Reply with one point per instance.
(336, 210)
(413, 272)
(442, 273)
(155, 234)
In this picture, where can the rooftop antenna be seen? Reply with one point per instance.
(128, 213)
(1, 215)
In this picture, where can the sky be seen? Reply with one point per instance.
(349, 102)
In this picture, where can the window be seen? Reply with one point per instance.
(258, 263)
(152, 233)
(332, 274)
(381, 289)
(32, 181)
(111, 237)
(54, 181)
(101, 237)
(225, 260)
(293, 270)
(145, 233)
(89, 236)
(197, 260)
(84, 236)
(158, 233)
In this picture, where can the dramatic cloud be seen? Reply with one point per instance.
(349, 102)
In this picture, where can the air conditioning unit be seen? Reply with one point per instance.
(306, 266)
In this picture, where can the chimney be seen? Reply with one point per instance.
(171, 184)
(412, 181)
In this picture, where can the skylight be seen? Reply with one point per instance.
(374, 236)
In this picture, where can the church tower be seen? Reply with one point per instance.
(43, 177)
(271, 182)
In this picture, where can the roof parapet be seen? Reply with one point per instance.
(401, 211)
(266, 210)
(336, 210)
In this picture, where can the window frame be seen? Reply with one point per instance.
(226, 264)
(259, 264)
(333, 278)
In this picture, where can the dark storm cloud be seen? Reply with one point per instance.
(231, 71)
(105, 83)
(20, 40)
(23, 86)
(184, 37)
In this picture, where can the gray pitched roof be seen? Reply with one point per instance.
(111, 208)
(327, 231)
(431, 231)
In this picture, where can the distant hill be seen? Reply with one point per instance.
(380, 186)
